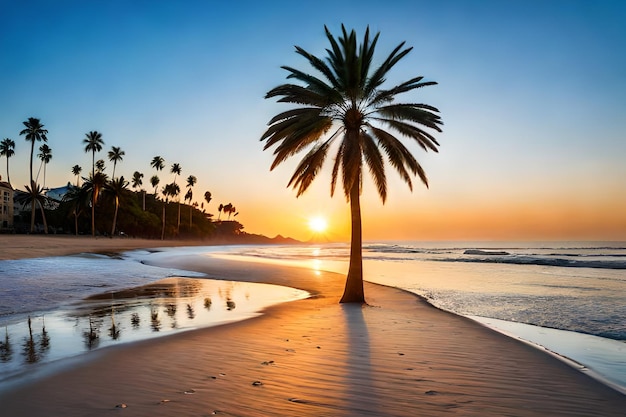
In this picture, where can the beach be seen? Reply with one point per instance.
(396, 356)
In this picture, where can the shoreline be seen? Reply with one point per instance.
(397, 356)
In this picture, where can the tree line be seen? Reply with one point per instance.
(103, 205)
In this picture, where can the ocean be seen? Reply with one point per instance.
(568, 298)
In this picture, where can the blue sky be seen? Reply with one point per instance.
(532, 94)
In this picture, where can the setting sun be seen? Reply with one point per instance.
(318, 224)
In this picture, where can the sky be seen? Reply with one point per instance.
(532, 95)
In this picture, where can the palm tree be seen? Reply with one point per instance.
(138, 182)
(93, 143)
(76, 170)
(219, 211)
(176, 170)
(191, 181)
(100, 165)
(7, 148)
(207, 197)
(154, 181)
(115, 188)
(95, 184)
(158, 163)
(79, 199)
(34, 196)
(115, 154)
(34, 132)
(169, 190)
(350, 99)
(45, 154)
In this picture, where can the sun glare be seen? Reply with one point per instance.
(318, 224)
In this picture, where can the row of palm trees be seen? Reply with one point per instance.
(87, 195)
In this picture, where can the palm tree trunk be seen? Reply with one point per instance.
(43, 216)
(353, 292)
(163, 224)
(93, 193)
(117, 205)
(178, 225)
(32, 208)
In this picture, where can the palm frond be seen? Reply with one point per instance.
(308, 168)
(374, 160)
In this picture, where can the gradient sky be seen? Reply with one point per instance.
(532, 94)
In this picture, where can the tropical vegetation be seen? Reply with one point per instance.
(345, 109)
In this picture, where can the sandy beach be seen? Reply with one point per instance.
(397, 356)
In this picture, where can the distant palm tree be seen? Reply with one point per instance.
(76, 170)
(7, 148)
(176, 170)
(45, 154)
(191, 181)
(169, 190)
(93, 143)
(79, 198)
(157, 163)
(219, 211)
(115, 154)
(100, 165)
(115, 188)
(154, 181)
(34, 132)
(350, 99)
(94, 186)
(34, 196)
(138, 182)
(207, 198)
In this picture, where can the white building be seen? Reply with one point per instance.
(6, 205)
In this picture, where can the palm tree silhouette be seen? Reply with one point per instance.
(191, 181)
(350, 103)
(94, 185)
(34, 132)
(7, 148)
(154, 181)
(138, 182)
(115, 188)
(93, 143)
(115, 154)
(34, 196)
(76, 170)
(79, 199)
(176, 170)
(45, 154)
(157, 163)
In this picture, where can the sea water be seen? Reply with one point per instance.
(56, 310)
(569, 298)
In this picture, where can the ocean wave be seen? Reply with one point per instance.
(532, 260)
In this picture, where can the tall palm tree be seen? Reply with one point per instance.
(93, 143)
(7, 148)
(45, 154)
(176, 170)
(34, 132)
(191, 181)
(138, 182)
(219, 211)
(116, 154)
(94, 185)
(115, 188)
(348, 107)
(207, 198)
(76, 170)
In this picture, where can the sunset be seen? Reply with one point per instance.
(294, 209)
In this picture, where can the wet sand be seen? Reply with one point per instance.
(398, 356)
